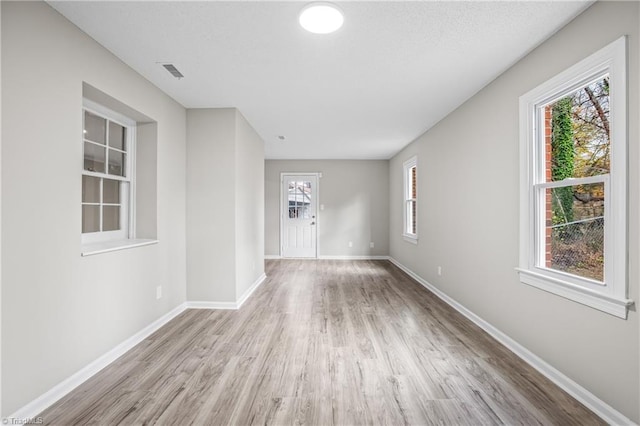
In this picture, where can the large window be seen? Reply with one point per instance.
(107, 174)
(573, 183)
(411, 200)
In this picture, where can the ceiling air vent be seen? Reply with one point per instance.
(173, 70)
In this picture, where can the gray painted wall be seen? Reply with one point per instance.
(249, 178)
(1, 213)
(225, 202)
(211, 274)
(468, 217)
(355, 194)
(61, 311)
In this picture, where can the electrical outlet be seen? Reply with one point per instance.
(371, 245)
(439, 271)
(350, 243)
(159, 292)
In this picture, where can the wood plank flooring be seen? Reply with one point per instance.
(322, 343)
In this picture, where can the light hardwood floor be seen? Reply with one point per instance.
(322, 343)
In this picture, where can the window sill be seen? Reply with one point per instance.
(109, 246)
(413, 239)
(612, 305)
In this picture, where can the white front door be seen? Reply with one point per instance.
(299, 216)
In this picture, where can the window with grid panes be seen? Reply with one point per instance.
(411, 199)
(574, 183)
(107, 175)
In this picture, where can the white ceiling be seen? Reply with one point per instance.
(390, 73)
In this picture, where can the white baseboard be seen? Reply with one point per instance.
(329, 257)
(38, 405)
(353, 257)
(589, 400)
(211, 305)
(251, 289)
(228, 305)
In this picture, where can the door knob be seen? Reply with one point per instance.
(313, 223)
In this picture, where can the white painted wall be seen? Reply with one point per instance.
(468, 217)
(61, 311)
(225, 184)
(355, 194)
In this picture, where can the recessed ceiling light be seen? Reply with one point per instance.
(321, 18)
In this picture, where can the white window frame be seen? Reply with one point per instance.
(127, 194)
(407, 199)
(611, 295)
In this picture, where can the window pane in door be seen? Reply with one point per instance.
(299, 197)
(95, 128)
(293, 200)
(90, 219)
(111, 191)
(117, 135)
(90, 189)
(305, 199)
(304, 211)
(574, 237)
(116, 163)
(94, 157)
(110, 218)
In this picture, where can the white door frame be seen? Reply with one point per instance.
(318, 175)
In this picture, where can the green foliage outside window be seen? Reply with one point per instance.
(562, 159)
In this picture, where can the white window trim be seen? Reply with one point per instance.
(612, 296)
(406, 197)
(95, 242)
(109, 246)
